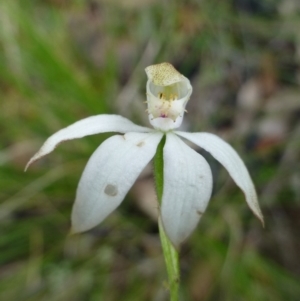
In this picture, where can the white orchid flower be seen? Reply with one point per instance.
(115, 165)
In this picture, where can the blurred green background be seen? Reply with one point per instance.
(63, 60)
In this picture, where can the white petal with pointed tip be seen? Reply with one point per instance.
(85, 127)
(187, 189)
(229, 158)
(109, 174)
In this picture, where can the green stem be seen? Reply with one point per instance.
(169, 251)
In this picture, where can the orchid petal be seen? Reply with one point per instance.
(85, 127)
(109, 174)
(229, 158)
(187, 189)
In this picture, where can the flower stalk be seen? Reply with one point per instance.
(170, 253)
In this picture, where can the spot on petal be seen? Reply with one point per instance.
(140, 144)
(199, 212)
(111, 190)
